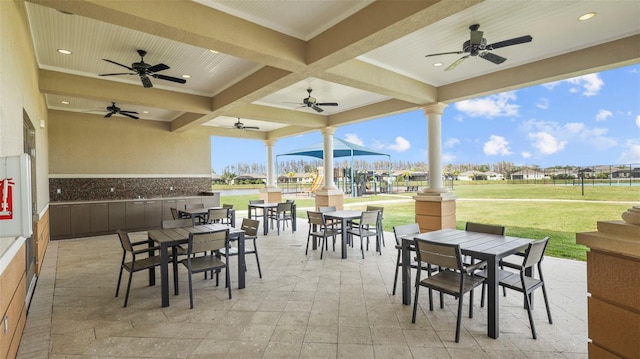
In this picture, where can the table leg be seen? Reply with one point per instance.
(406, 273)
(152, 270)
(343, 225)
(265, 225)
(242, 264)
(492, 298)
(164, 274)
(293, 218)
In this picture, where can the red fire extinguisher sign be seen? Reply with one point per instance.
(6, 198)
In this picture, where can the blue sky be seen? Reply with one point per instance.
(588, 120)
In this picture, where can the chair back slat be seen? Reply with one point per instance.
(315, 218)
(250, 227)
(174, 213)
(217, 214)
(204, 242)
(485, 228)
(125, 241)
(535, 252)
(177, 223)
(369, 218)
(405, 230)
(439, 254)
(256, 201)
(226, 205)
(327, 209)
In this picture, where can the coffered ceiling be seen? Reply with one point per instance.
(255, 60)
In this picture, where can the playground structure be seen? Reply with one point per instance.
(318, 180)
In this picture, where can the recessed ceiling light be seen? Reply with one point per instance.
(437, 64)
(214, 51)
(64, 52)
(587, 16)
(64, 102)
(145, 111)
(186, 76)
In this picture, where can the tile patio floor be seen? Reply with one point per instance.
(303, 307)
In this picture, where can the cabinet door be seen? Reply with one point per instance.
(117, 216)
(152, 214)
(80, 219)
(99, 217)
(167, 204)
(60, 221)
(135, 214)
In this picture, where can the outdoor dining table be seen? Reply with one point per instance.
(488, 247)
(344, 216)
(170, 237)
(193, 213)
(266, 207)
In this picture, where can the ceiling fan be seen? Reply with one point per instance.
(145, 70)
(240, 126)
(313, 103)
(115, 110)
(477, 46)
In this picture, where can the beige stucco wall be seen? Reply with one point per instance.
(84, 144)
(19, 91)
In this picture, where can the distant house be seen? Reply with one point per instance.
(472, 176)
(528, 174)
(251, 178)
(494, 176)
(215, 178)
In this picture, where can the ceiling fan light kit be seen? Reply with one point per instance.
(477, 46)
(145, 70)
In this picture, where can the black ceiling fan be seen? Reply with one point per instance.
(240, 126)
(115, 110)
(145, 70)
(313, 103)
(477, 46)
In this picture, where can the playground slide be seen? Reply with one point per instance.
(317, 182)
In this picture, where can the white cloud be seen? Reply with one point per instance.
(590, 84)
(603, 115)
(638, 120)
(526, 154)
(497, 145)
(546, 143)
(400, 145)
(632, 152)
(550, 137)
(500, 105)
(450, 142)
(353, 138)
(543, 103)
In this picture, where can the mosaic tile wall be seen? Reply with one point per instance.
(100, 189)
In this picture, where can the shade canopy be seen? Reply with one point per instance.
(341, 148)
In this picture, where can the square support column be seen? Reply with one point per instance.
(329, 197)
(271, 194)
(435, 210)
(613, 264)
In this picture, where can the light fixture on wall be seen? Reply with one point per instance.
(42, 123)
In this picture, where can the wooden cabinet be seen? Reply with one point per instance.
(117, 216)
(71, 220)
(60, 221)
(80, 219)
(135, 215)
(99, 217)
(152, 214)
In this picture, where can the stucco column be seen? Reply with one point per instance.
(434, 132)
(435, 207)
(271, 173)
(329, 194)
(271, 193)
(327, 133)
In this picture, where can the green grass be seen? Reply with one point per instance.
(521, 216)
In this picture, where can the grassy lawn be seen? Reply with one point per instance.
(517, 207)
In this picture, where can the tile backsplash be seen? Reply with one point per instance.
(99, 189)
